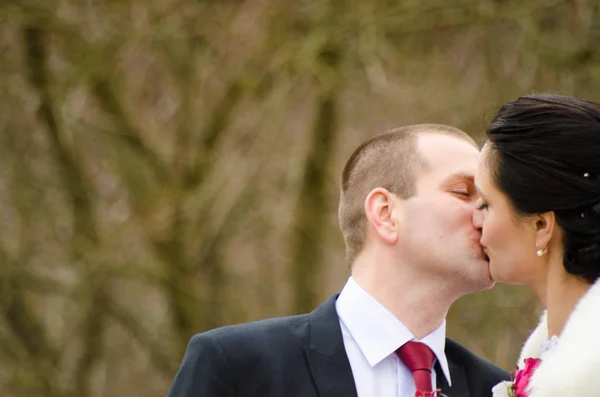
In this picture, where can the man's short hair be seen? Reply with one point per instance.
(389, 160)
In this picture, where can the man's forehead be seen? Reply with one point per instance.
(451, 173)
(432, 144)
(448, 156)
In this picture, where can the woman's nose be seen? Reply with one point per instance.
(478, 219)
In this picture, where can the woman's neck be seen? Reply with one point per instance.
(560, 294)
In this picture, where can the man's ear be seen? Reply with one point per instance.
(544, 229)
(379, 205)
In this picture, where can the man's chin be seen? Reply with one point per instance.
(490, 284)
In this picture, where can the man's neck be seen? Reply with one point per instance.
(421, 307)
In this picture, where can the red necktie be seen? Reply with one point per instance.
(418, 357)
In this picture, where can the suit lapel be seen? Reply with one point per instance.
(460, 387)
(326, 355)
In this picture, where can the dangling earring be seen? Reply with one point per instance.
(540, 252)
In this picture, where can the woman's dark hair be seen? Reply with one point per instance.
(545, 156)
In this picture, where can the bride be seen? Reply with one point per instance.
(539, 181)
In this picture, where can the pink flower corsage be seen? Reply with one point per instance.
(518, 386)
(523, 376)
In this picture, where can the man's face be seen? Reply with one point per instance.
(438, 233)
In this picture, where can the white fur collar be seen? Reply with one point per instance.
(573, 368)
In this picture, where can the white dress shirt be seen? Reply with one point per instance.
(371, 337)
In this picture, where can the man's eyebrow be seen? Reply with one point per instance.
(470, 178)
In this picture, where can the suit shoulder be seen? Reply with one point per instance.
(257, 332)
(463, 356)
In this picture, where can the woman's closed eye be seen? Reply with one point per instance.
(481, 205)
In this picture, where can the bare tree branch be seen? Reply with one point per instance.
(160, 359)
(85, 231)
(94, 328)
(312, 203)
(26, 327)
(73, 177)
(105, 92)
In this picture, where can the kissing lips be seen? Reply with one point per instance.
(485, 254)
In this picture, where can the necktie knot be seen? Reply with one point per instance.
(418, 357)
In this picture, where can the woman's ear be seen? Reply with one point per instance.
(379, 206)
(544, 228)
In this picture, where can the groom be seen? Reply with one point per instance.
(406, 202)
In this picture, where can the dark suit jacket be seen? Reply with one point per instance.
(300, 356)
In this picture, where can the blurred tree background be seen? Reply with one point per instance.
(169, 166)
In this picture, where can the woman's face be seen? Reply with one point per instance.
(507, 238)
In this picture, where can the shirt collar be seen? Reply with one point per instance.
(377, 332)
